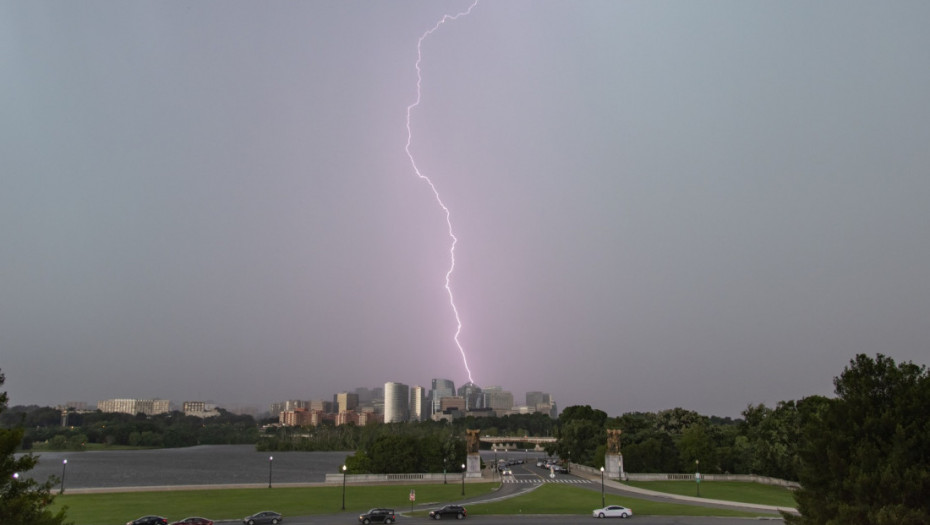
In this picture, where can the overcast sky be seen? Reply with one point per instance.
(657, 204)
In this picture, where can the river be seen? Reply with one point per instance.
(200, 465)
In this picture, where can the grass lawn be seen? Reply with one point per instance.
(94, 509)
(553, 498)
(549, 498)
(744, 492)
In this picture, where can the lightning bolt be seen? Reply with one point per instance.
(458, 320)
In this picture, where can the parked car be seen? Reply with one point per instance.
(194, 520)
(148, 520)
(266, 516)
(613, 511)
(449, 511)
(378, 515)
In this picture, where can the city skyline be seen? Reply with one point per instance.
(656, 204)
(343, 400)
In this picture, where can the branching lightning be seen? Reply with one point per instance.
(458, 320)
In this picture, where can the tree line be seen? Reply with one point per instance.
(860, 457)
(42, 426)
(764, 441)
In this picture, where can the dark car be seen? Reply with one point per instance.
(449, 511)
(194, 520)
(148, 520)
(378, 516)
(265, 516)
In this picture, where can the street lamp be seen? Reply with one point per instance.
(697, 476)
(444, 482)
(270, 463)
(463, 479)
(343, 487)
(602, 487)
(64, 463)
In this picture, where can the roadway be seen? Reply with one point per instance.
(527, 474)
(526, 478)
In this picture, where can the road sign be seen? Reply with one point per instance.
(413, 495)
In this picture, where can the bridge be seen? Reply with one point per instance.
(510, 442)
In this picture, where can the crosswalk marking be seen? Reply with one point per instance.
(538, 480)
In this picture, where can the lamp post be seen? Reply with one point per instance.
(463, 479)
(444, 482)
(602, 487)
(697, 476)
(343, 487)
(270, 463)
(64, 463)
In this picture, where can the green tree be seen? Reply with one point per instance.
(22, 499)
(653, 453)
(771, 441)
(580, 432)
(865, 455)
(696, 444)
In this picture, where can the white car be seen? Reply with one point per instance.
(613, 511)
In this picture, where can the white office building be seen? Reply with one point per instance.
(396, 402)
(419, 409)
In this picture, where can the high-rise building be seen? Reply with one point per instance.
(396, 402)
(346, 401)
(148, 407)
(347, 417)
(199, 409)
(537, 398)
(496, 398)
(299, 417)
(419, 411)
(452, 403)
(472, 394)
(320, 405)
(440, 388)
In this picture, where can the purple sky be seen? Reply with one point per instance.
(658, 204)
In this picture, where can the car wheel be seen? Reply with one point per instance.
(367, 521)
(624, 515)
(388, 520)
(601, 515)
(460, 515)
(251, 522)
(438, 516)
(274, 521)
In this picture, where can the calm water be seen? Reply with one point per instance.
(201, 465)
